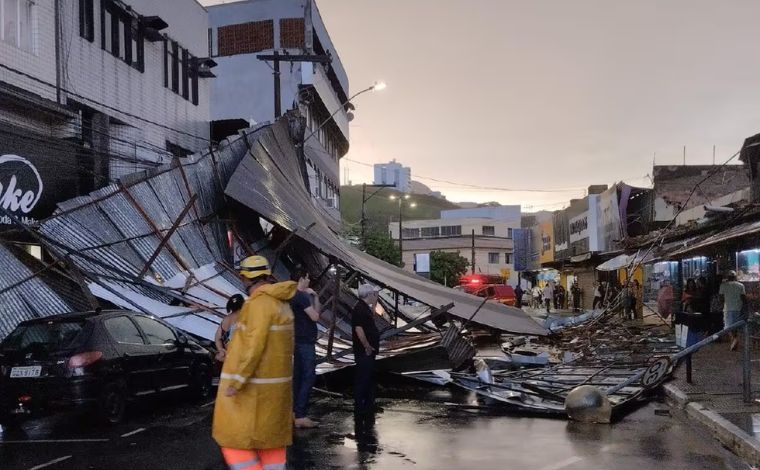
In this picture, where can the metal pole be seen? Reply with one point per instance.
(400, 232)
(473, 251)
(277, 99)
(334, 321)
(747, 364)
(364, 200)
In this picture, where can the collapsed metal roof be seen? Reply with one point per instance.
(29, 289)
(267, 181)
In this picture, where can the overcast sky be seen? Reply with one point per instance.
(546, 94)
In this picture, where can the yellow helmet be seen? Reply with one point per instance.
(255, 266)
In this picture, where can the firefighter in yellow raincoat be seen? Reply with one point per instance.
(253, 415)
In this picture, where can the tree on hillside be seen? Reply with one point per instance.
(381, 246)
(447, 268)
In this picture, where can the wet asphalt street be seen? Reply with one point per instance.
(419, 429)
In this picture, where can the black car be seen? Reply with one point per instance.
(98, 360)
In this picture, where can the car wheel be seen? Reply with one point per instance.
(201, 381)
(113, 403)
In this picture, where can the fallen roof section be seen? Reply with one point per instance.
(267, 182)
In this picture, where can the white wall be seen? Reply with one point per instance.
(505, 213)
(94, 73)
(40, 63)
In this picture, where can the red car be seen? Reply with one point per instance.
(501, 293)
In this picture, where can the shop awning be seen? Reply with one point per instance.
(732, 233)
(268, 181)
(624, 261)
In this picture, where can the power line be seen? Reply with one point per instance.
(485, 188)
(111, 108)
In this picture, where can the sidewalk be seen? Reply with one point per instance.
(714, 398)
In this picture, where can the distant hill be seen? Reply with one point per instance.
(381, 210)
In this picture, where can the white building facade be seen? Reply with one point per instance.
(246, 86)
(493, 244)
(96, 90)
(394, 173)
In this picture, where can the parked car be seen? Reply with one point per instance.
(501, 293)
(96, 360)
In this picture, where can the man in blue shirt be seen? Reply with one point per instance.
(306, 311)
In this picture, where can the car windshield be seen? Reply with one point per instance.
(51, 336)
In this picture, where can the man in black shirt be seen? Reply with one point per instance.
(366, 341)
(306, 311)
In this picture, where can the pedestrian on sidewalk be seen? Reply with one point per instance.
(536, 297)
(734, 298)
(598, 296)
(306, 311)
(548, 294)
(518, 295)
(366, 342)
(576, 291)
(227, 327)
(253, 414)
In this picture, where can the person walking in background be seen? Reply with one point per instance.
(253, 413)
(734, 297)
(598, 296)
(227, 327)
(548, 294)
(366, 343)
(518, 295)
(689, 296)
(665, 299)
(576, 291)
(306, 311)
(536, 297)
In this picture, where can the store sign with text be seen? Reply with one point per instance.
(21, 188)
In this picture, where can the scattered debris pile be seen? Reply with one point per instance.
(621, 360)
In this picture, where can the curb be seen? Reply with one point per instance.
(727, 433)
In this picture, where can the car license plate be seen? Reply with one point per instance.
(25, 372)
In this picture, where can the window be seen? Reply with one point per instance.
(16, 23)
(121, 34)
(493, 258)
(509, 233)
(123, 331)
(508, 258)
(155, 332)
(431, 232)
(180, 71)
(489, 230)
(87, 19)
(451, 230)
(411, 232)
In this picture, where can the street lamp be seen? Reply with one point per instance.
(402, 200)
(377, 86)
(366, 198)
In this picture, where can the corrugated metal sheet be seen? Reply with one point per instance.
(26, 292)
(279, 197)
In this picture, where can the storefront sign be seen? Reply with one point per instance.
(609, 220)
(521, 238)
(37, 172)
(561, 235)
(547, 242)
(579, 228)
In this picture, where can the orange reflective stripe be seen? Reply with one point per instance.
(242, 459)
(273, 459)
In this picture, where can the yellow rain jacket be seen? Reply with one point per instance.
(259, 364)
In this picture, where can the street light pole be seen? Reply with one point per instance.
(376, 87)
(401, 200)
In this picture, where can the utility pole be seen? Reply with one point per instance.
(276, 58)
(400, 230)
(713, 154)
(684, 155)
(277, 98)
(473, 251)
